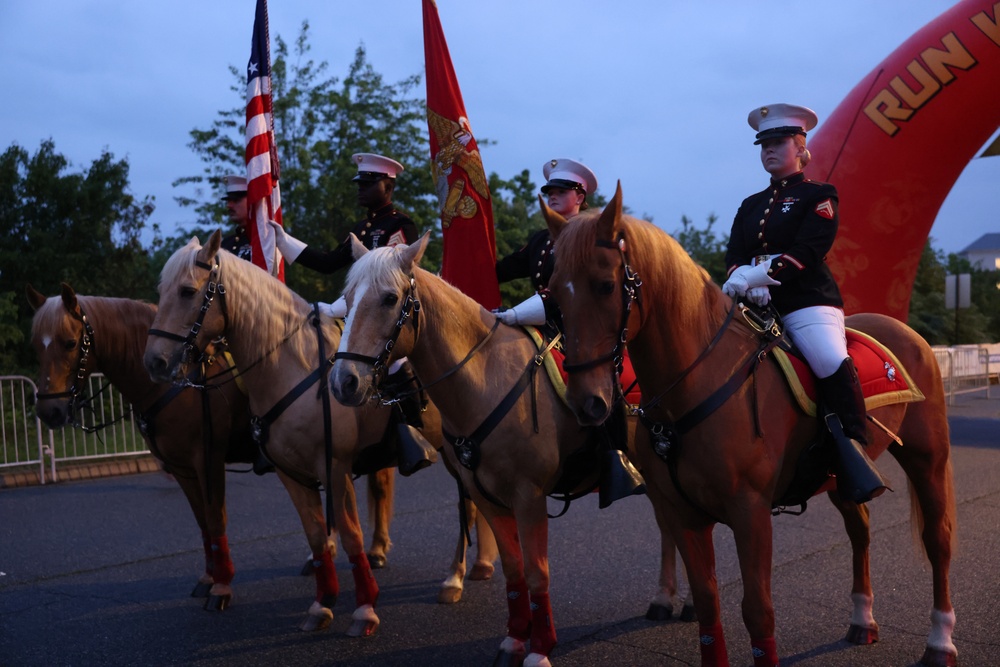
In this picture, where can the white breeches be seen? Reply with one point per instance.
(818, 331)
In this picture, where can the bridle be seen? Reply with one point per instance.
(86, 340)
(409, 308)
(213, 288)
(630, 295)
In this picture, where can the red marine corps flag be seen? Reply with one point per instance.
(263, 196)
(463, 192)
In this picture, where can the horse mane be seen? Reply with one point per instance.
(667, 271)
(120, 325)
(269, 309)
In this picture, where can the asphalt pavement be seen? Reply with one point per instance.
(99, 571)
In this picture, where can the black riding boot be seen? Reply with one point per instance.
(857, 477)
(415, 452)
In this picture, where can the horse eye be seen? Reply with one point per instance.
(188, 292)
(605, 288)
(69, 344)
(390, 299)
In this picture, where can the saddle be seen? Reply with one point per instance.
(884, 381)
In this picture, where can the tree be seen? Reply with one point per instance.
(82, 228)
(319, 122)
(704, 246)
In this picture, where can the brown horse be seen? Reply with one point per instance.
(617, 278)
(76, 335)
(511, 446)
(272, 334)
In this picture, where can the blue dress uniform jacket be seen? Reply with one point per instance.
(238, 243)
(794, 222)
(534, 261)
(383, 227)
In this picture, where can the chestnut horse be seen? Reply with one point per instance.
(513, 445)
(617, 278)
(76, 335)
(272, 334)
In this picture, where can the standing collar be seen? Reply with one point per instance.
(794, 179)
(379, 212)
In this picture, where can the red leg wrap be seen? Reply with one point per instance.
(327, 586)
(222, 564)
(713, 646)
(765, 652)
(206, 543)
(518, 611)
(543, 632)
(365, 586)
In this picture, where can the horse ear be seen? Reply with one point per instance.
(35, 298)
(358, 249)
(608, 223)
(555, 221)
(68, 298)
(410, 257)
(214, 243)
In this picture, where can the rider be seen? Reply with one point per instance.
(567, 185)
(777, 253)
(237, 242)
(383, 226)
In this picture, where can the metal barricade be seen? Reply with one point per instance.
(107, 430)
(964, 368)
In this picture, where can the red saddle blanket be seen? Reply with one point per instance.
(884, 381)
(554, 366)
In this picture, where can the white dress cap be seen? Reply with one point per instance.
(568, 174)
(373, 167)
(781, 120)
(236, 186)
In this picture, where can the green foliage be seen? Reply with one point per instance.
(704, 246)
(59, 225)
(516, 216)
(319, 122)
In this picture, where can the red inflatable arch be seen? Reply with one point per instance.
(896, 145)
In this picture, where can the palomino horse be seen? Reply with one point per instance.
(616, 279)
(512, 438)
(77, 335)
(272, 334)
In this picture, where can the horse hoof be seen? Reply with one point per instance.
(659, 612)
(449, 595)
(481, 572)
(537, 660)
(688, 614)
(218, 602)
(365, 622)
(935, 657)
(308, 570)
(318, 618)
(376, 561)
(862, 636)
(201, 589)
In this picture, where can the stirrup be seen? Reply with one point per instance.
(619, 478)
(415, 452)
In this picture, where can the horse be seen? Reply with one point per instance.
(729, 457)
(278, 341)
(76, 335)
(512, 445)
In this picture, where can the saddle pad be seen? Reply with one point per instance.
(559, 377)
(884, 381)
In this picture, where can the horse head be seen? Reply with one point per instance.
(61, 336)
(594, 289)
(186, 322)
(381, 319)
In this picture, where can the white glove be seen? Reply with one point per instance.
(529, 311)
(760, 296)
(746, 276)
(289, 246)
(337, 309)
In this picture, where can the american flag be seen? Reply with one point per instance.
(263, 195)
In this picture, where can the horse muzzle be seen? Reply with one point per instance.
(349, 387)
(162, 367)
